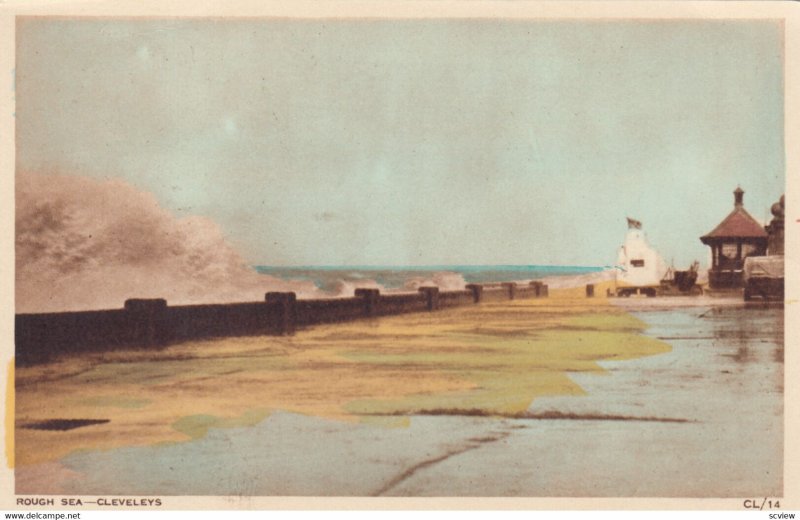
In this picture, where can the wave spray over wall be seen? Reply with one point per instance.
(83, 243)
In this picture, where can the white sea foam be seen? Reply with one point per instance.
(578, 280)
(445, 281)
(83, 243)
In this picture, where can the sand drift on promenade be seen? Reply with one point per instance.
(580, 280)
(489, 359)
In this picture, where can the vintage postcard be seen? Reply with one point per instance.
(471, 255)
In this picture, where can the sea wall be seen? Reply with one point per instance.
(151, 323)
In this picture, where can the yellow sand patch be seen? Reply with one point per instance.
(196, 426)
(600, 291)
(495, 358)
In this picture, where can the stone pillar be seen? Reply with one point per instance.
(371, 298)
(477, 291)
(286, 312)
(590, 290)
(431, 296)
(775, 229)
(537, 288)
(147, 319)
(510, 288)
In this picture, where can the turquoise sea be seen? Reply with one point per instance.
(392, 277)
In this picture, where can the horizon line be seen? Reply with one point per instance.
(432, 267)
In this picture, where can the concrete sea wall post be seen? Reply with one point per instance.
(287, 311)
(510, 287)
(477, 291)
(371, 298)
(431, 296)
(590, 290)
(147, 318)
(537, 288)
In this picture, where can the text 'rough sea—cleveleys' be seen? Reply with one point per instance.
(447, 277)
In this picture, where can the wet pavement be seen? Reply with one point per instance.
(724, 376)
(714, 406)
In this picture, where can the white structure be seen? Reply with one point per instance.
(638, 264)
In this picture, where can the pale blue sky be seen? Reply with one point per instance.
(416, 142)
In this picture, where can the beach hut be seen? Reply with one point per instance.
(639, 267)
(737, 237)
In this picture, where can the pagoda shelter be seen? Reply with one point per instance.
(733, 240)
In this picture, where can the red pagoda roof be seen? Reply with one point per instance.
(739, 224)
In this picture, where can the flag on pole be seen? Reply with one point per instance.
(634, 224)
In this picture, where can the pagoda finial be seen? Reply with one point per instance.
(738, 197)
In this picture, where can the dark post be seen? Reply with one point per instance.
(477, 291)
(286, 311)
(511, 288)
(590, 290)
(537, 288)
(147, 319)
(370, 297)
(432, 297)
(544, 290)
